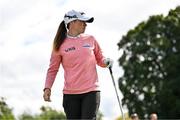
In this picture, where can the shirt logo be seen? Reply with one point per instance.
(86, 46)
(70, 49)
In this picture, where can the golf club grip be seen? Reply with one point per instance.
(110, 69)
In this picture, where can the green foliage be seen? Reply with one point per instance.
(151, 55)
(5, 111)
(26, 116)
(47, 113)
(126, 117)
(99, 115)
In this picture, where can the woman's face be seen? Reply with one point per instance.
(80, 26)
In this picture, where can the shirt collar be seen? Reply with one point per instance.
(68, 36)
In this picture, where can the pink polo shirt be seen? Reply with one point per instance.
(78, 57)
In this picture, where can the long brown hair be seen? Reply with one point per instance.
(60, 36)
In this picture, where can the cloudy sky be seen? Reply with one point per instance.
(28, 27)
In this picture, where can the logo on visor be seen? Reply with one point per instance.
(68, 16)
(74, 16)
(82, 13)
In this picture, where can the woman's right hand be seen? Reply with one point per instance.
(47, 94)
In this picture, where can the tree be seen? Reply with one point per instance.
(26, 116)
(150, 59)
(47, 113)
(5, 111)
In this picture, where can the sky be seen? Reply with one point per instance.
(27, 30)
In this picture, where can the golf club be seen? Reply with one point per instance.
(120, 106)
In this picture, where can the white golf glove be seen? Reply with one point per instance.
(109, 62)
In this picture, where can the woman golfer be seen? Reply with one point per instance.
(78, 53)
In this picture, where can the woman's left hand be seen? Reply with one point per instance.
(109, 62)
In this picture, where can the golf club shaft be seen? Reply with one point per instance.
(110, 69)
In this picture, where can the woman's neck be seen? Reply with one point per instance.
(73, 33)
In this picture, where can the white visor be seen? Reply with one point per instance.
(74, 15)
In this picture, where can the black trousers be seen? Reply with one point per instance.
(81, 106)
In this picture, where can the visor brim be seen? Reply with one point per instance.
(88, 20)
